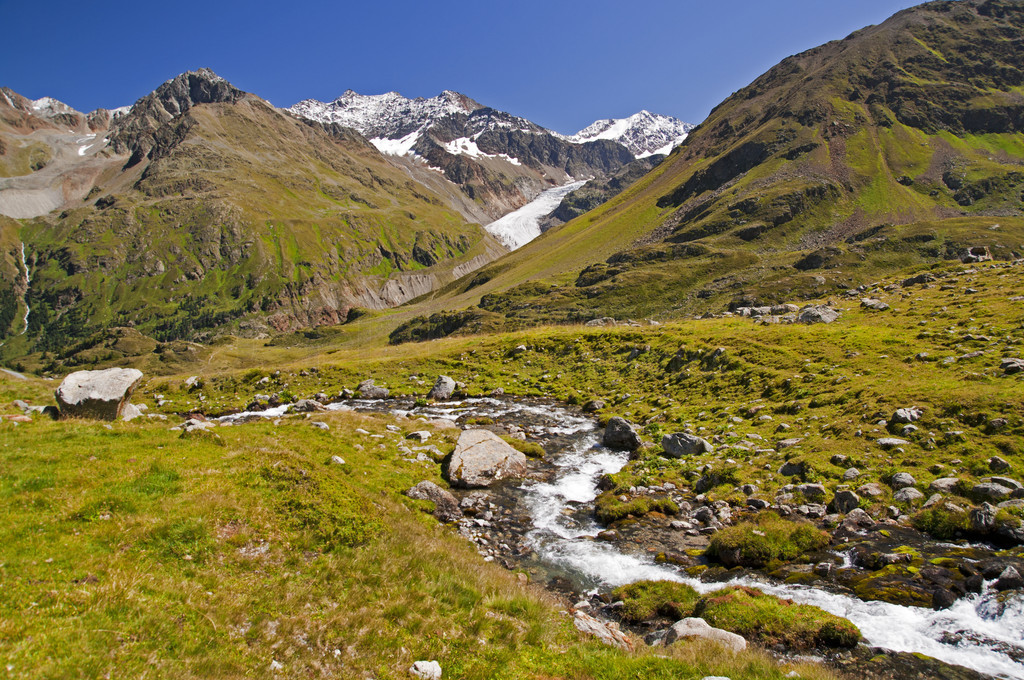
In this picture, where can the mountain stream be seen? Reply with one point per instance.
(561, 541)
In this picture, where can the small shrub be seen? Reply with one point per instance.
(644, 600)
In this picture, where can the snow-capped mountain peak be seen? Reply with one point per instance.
(48, 107)
(385, 116)
(644, 133)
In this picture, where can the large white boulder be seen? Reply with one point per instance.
(482, 458)
(100, 395)
(694, 627)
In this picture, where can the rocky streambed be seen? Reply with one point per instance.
(909, 595)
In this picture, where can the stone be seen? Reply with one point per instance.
(991, 491)
(100, 395)
(606, 632)
(944, 484)
(307, 406)
(997, 424)
(791, 468)
(443, 388)
(901, 480)
(482, 458)
(758, 503)
(891, 442)
(446, 508)
(1012, 365)
(873, 303)
(621, 435)
(871, 490)
(418, 436)
(845, 501)
(786, 443)
(426, 670)
(337, 460)
(943, 599)
(704, 514)
(983, 518)
(680, 444)
(1007, 482)
(368, 390)
(997, 464)
(1009, 579)
(320, 425)
(130, 412)
(907, 415)
(858, 518)
(907, 495)
(817, 314)
(593, 406)
(693, 627)
(851, 474)
(813, 492)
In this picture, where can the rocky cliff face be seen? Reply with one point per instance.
(135, 133)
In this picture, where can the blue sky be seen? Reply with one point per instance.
(560, 63)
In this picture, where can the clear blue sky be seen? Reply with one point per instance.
(560, 63)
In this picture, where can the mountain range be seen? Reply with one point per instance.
(202, 205)
(209, 210)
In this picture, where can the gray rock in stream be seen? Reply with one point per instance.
(443, 389)
(482, 458)
(620, 435)
(368, 390)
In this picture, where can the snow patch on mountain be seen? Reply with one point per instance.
(644, 133)
(466, 146)
(397, 147)
(518, 228)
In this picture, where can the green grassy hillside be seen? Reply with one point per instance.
(241, 217)
(898, 146)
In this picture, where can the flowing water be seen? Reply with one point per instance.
(28, 281)
(979, 629)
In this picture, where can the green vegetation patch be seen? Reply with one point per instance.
(644, 600)
(942, 521)
(765, 539)
(771, 620)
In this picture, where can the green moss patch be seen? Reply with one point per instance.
(645, 600)
(765, 539)
(770, 620)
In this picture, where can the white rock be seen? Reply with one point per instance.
(426, 670)
(101, 395)
(694, 627)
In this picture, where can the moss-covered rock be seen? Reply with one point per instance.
(645, 600)
(771, 620)
(765, 539)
